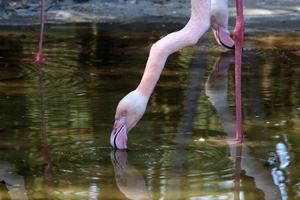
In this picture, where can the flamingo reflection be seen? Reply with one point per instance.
(129, 181)
(216, 89)
(12, 185)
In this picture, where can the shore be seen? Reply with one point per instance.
(259, 14)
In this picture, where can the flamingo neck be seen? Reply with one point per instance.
(152, 73)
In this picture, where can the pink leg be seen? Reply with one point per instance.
(239, 38)
(39, 57)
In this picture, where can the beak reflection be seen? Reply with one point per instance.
(129, 181)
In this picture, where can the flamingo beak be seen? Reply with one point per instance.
(118, 137)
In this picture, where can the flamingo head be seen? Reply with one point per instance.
(129, 111)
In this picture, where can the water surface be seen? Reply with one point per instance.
(55, 119)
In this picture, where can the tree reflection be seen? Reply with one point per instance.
(184, 134)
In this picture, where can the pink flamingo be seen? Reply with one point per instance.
(203, 14)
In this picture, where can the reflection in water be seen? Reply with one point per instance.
(12, 185)
(237, 171)
(184, 134)
(279, 173)
(129, 180)
(44, 135)
(216, 90)
(13, 42)
(85, 80)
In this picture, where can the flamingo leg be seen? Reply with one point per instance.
(39, 57)
(239, 39)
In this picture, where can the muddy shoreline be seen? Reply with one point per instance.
(260, 15)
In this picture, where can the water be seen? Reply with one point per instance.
(56, 119)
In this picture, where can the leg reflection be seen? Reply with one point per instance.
(216, 89)
(129, 181)
(44, 135)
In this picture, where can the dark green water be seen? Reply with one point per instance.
(55, 120)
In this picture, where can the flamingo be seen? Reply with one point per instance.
(204, 13)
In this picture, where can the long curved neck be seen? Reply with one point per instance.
(152, 73)
(189, 35)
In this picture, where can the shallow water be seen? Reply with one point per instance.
(56, 119)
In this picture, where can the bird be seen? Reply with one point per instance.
(204, 13)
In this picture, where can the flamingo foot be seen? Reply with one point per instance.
(234, 141)
(39, 57)
(118, 137)
(37, 60)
